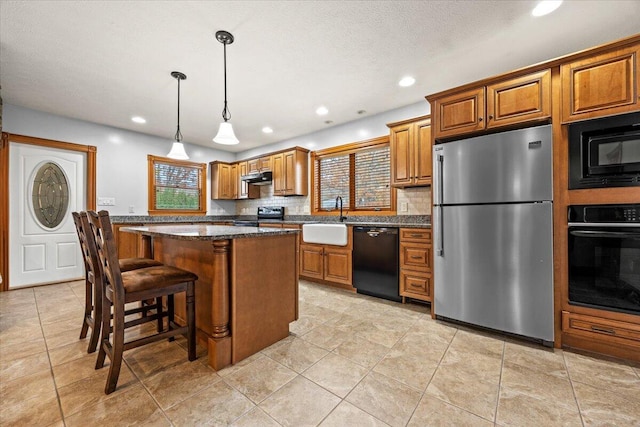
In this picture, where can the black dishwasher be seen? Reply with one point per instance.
(375, 262)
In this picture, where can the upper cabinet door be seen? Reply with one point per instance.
(253, 165)
(401, 142)
(459, 113)
(601, 85)
(422, 153)
(264, 163)
(277, 162)
(520, 99)
(289, 178)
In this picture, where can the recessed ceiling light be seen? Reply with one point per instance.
(545, 7)
(267, 129)
(322, 111)
(138, 119)
(407, 81)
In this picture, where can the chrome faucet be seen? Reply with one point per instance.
(339, 199)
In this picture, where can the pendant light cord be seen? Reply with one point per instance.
(226, 114)
(178, 136)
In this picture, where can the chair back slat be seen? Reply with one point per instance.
(105, 244)
(84, 245)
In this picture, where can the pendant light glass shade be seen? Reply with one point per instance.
(225, 135)
(177, 149)
(177, 152)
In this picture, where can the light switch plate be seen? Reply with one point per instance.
(106, 201)
(403, 207)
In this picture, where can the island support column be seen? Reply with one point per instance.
(219, 345)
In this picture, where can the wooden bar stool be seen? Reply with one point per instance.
(118, 288)
(92, 301)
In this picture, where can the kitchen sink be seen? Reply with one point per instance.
(325, 234)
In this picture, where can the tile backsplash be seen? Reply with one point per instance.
(418, 202)
(294, 205)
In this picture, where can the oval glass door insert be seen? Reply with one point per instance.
(50, 195)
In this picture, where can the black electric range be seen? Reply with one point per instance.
(264, 213)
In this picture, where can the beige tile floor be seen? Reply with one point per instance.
(349, 361)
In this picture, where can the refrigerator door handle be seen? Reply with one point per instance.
(439, 176)
(439, 193)
(440, 248)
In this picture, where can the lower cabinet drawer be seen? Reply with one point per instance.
(415, 284)
(415, 256)
(601, 328)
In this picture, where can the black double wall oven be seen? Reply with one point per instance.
(604, 257)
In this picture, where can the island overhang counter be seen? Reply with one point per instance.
(247, 288)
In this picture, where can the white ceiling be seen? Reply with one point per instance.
(106, 61)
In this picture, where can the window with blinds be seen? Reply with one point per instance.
(360, 173)
(176, 186)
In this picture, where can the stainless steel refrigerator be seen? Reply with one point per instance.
(493, 232)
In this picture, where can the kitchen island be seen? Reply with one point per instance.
(247, 288)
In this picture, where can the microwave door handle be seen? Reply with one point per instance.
(605, 234)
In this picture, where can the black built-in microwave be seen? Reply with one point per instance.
(605, 152)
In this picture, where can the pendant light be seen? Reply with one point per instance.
(177, 149)
(225, 134)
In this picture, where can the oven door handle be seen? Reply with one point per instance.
(606, 234)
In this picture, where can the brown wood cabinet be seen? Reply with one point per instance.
(246, 191)
(290, 172)
(312, 261)
(326, 262)
(600, 85)
(600, 331)
(264, 163)
(224, 185)
(235, 180)
(269, 225)
(415, 263)
(410, 145)
(259, 164)
(503, 103)
(128, 243)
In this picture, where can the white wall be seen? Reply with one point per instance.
(121, 156)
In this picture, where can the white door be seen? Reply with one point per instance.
(45, 186)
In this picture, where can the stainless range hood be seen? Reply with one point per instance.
(258, 178)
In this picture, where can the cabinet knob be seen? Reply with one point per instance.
(479, 119)
(490, 116)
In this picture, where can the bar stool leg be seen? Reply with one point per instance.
(87, 308)
(97, 320)
(117, 349)
(159, 312)
(191, 321)
(105, 332)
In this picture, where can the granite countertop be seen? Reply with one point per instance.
(207, 232)
(354, 223)
(388, 224)
(404, 221)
